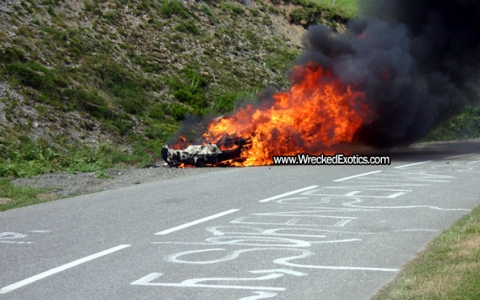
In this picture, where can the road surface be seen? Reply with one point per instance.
(279, 232)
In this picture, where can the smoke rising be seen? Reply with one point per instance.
(416, 60)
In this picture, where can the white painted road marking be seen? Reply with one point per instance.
(186, 225)
(355, 176)
(288, 194)
(59, 269)
(260, 295)
(12, 238)
(196, 282)
(414, 164)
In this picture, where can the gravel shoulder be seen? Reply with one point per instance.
(67, 184)
(71, 184)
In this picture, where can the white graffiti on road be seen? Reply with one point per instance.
(13, 238)
(296, 227)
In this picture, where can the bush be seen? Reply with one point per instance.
(188, 27)
(189, 90)
(304, 16)
(87, 100)
(179, 111)
(225, 104)
(160, 131)
(111, 17)
(12, 54)
(173, 7)
(157, 111)
(32, 74)
(127, 88)
(463, 126)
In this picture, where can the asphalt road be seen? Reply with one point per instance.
(280, 232)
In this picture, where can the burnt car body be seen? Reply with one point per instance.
(205, 155)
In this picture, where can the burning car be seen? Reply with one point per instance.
(208, 154)
(315, 114)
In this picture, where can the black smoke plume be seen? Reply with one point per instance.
(416, 60)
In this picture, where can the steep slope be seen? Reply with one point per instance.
(119, 76)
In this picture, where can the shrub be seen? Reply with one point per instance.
(179, 111)
(127, 88)
(189, 90)
(188, 26)
(173, 7)
(111, 17)
(12, 54)
(32, 74)
(463, 126)
(304, 16)
(160, 131)
(158, 110)
(87, 100)
(225, 103)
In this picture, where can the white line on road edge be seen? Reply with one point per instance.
(355, 176)
(414, 164)
(288, 194)
(59, 269)
(180, 227)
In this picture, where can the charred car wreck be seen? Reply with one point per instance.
(207, 154)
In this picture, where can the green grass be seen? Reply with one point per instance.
(63, 69)
(349, 7)
(21, 196)
(30, 158)
(463, 126)
(27, 158)
(173, 7)
(314, 10)
(136, 92)
(448, 269)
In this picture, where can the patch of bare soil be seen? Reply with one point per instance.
(5, 200)
(67, 184)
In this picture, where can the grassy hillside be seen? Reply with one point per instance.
(333, 12)
(88, 84)
(85, 85)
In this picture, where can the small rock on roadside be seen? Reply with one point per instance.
(45, 196)
(5, 200)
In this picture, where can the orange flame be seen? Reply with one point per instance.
(316, 113)
(182, 143)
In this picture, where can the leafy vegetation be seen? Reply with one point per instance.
(26, 158)
(319, 11)
(135, 84)
(170, 8)
(129, 85)
(463, 126)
